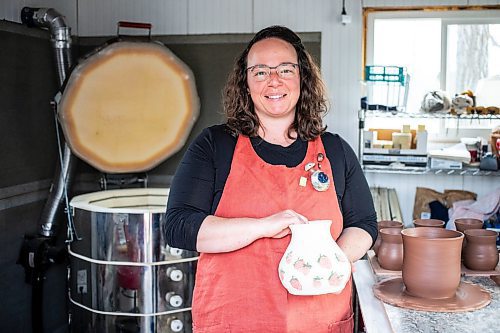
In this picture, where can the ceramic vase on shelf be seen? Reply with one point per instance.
(313, 263)
(466, 224)
(428, 223)
(390, 252)
(431, 262)
(480, 252)
(385, 224)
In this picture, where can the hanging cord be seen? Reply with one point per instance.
(71, 231)
(343, 8)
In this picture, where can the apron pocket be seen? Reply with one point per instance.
(343, 326)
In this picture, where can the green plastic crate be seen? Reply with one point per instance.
(385, 74)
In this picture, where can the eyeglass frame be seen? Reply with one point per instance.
(274, 67)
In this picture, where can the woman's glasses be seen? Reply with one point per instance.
(286, 70)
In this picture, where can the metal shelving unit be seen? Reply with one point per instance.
(420, 115)
(424, 171)
(362, 114)
(395, 81)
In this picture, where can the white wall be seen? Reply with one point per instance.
(340, 55)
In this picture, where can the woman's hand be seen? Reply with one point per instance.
(218, 234)
(277, 225)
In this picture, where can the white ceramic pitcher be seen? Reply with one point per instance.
(313, 263)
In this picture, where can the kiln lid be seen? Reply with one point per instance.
(128, 107)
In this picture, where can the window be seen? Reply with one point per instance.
(472, 53)
(441, 50)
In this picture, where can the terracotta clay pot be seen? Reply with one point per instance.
(431, 262)
(481, 252)
(428, 223)
(390, 252)
(382, 225)
(466, 224)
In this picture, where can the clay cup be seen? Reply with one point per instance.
(431, 262)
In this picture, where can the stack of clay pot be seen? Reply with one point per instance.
(390, 252)
(480, 252)
(466, 224)
(382, 225)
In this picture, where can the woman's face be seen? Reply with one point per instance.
(274, 97)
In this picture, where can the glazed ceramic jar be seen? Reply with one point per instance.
(313, 263)
(431, 262)
(480, 252)
(390, 252)
(428, 223)
(385, 224)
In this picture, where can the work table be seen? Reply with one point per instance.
(382, 317)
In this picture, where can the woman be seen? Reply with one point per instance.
(242, 184)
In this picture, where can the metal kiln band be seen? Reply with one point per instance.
(129, 263)
(129, 314)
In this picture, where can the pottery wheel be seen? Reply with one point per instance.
(468, 297)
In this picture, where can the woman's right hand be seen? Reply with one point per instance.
(277, 225)
(218, 234)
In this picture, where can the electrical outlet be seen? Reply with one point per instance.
(82, 288)
(81, 281)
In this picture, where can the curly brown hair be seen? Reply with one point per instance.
(312, 103)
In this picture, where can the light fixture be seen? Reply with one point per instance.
(345, 19)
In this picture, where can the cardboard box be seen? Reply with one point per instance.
(438, 163)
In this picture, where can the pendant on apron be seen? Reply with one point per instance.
(319, 179)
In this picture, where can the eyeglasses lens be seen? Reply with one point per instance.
(263, 72)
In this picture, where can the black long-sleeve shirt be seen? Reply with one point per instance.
(200, 178)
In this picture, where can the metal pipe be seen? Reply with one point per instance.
(60, 35)
(60, 38)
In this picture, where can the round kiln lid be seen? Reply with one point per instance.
(131, 201)
(128, 107)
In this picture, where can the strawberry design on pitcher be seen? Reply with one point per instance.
(302, 266)
(335, 279)
(317, 282)
(295, 283)
(340, 258)
(298, 264)
(306, 268)
(324, 262)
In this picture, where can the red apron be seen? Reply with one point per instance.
(240, 291)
